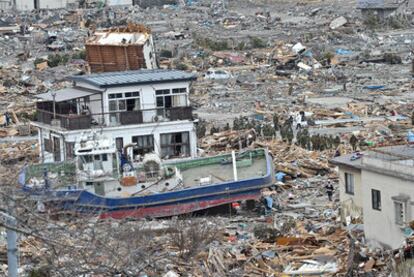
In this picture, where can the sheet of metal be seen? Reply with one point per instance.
(66, 94)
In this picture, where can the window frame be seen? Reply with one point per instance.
(376, 199)
(403, 212)
(47, 145)
(162, 93)
(120, 99)
(145, 149)
(176, 144)
(69, 150)
(349, 183)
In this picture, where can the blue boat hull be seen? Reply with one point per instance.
(162, 204)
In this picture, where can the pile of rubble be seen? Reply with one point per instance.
(300, 235)
(18, 152)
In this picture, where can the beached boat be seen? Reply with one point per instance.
(101, 180)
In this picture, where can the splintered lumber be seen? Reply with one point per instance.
(294, 160)
(228, 140)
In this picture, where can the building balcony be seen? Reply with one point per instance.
(70, 121)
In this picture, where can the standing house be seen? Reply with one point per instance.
(147, 108)
(384, 180)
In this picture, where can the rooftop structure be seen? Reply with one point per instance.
(122, 48)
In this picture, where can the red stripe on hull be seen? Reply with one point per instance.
(177, 209)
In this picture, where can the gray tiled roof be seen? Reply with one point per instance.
(134, 77)
(387, 153)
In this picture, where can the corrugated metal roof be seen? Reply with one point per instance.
(65, 94)
(135, 77)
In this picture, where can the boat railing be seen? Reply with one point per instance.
(55, 174)
(217, 159)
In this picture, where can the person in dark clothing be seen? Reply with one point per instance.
(353, 141)
(8, 118)
(329, 191)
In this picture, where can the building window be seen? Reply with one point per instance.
(128, 101)
(166, 99)
(400, 212)
(70, 150)
(376, 199)
(179, 90)
(162, 91)
(144, 145)
(47, 145)
(349, 183)
(117, 105)
(175, 145)
(119, 143)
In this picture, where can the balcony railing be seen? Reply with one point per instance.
(76, 122)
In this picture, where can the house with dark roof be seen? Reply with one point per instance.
(378, 187)
(143, 111)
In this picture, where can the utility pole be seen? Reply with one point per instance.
(12, 251)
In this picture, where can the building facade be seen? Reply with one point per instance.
(350, 188)
(28, 5)
(386, 192)
(143, 111)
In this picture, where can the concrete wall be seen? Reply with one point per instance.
(380, 225)
(351, 205)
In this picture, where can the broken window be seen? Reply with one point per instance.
(119, 142)
(47, 145)
(70, 150)
(399, 208)
(349, 183)
(175, 145)
(129, 101)
(145, 144)
(177, 97)
(376, 199)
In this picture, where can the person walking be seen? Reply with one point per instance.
(329, 190)
(353, 141)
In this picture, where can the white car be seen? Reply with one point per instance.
(216, 74)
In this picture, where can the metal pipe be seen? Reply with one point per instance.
(54, 105)
(12, 251)
(233, 157)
